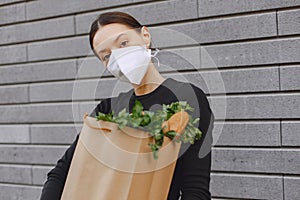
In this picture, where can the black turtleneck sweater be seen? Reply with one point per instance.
(191, 177)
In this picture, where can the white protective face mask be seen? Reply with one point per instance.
(130, 63)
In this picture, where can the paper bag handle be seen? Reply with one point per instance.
(91, 126)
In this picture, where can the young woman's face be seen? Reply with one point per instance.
(115, 35)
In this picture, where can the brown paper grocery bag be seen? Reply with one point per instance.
(113, 164)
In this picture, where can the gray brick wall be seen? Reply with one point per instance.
(252, 45)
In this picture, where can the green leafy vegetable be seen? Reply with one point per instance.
(152, 123)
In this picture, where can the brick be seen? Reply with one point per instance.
(243, 186)
(227, 29)
(42, 9)
(288, 22)
(12, 13)
(257, 106)
(87, 107)
(154, 13)
(200, 79)
(249, 160)
(12, 54)
(15, 174)
(31, 154)
(60, 48)
(291, 187)
(39, 174)
(181, 35)
(162, 12)
(15, 113)
(251, 53)
(75, 90)
(290, 77)
(24, 192)
(53, 134)
(90, 67)
(178, 59)
(234, 81)
(3, 2)
(44, 29)
(14, 94)
(84, 21)
(289, 51)
(290, 133)
(249, 80)
(246, 134)
(219, 7)
(31, 113)
(54, 91)
(291, 162)
(14, 134)
(218, 198)
(42, 71)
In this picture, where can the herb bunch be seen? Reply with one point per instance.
(152, 123)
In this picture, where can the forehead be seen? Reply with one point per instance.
(107, 33)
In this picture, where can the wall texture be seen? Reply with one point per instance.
(253, 44)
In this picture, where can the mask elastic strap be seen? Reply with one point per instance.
(156, 51)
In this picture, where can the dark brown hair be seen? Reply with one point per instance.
(113, 17)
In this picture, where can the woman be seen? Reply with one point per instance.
(123, 45)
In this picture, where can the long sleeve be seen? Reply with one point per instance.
(196, 175)
(56, 177)
(196, 161)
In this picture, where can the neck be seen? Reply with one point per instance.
(150, 82)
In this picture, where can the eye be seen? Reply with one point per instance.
(124, 43)
(106, 57)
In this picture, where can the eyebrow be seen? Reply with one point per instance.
(101, 51)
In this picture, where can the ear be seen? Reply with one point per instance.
(146, 35)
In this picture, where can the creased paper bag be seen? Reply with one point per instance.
(113, 164)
